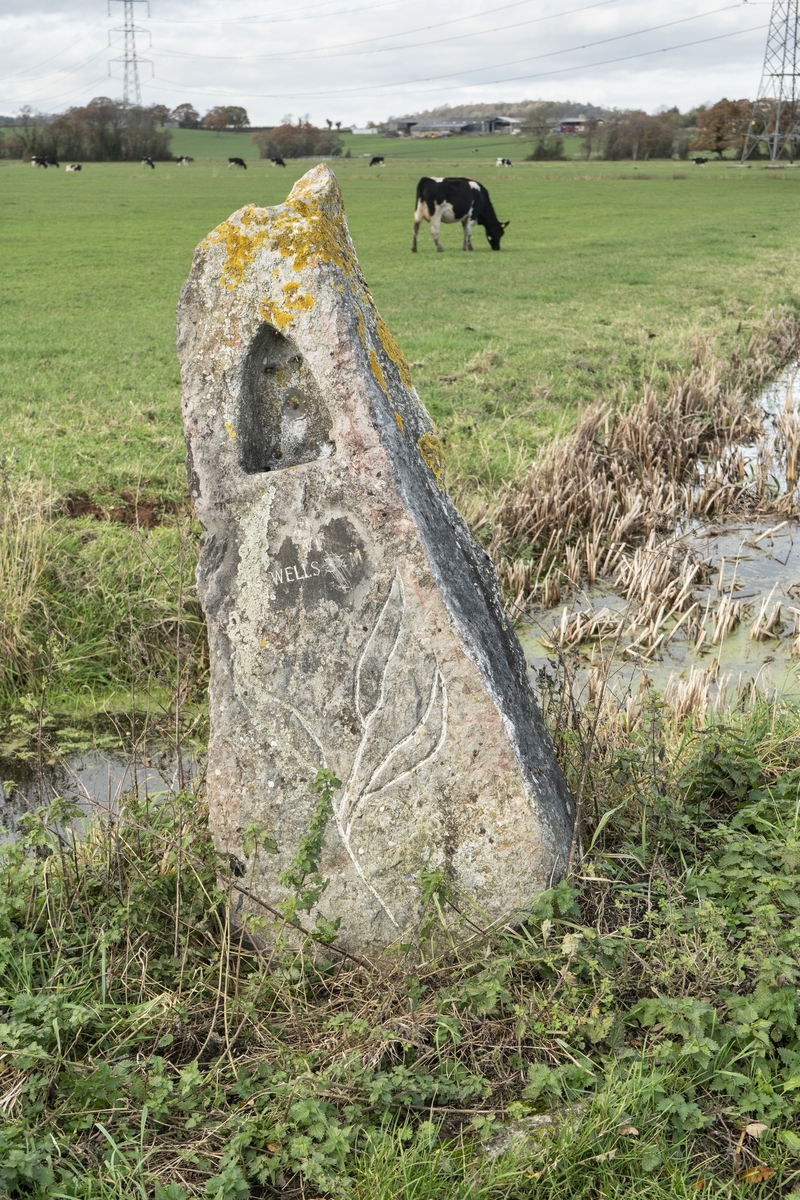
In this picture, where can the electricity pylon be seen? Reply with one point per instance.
(775, 120)
(131, 89)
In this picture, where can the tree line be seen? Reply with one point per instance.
(103, 130)
(718, 129)
(107, 130)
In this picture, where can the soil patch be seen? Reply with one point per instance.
(128, 508)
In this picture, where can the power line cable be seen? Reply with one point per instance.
(460, 37)
(624, 58)
(390, 3)
(275, 20)
(72, 71)
(60, 54)
(375, 88)
(66, 95)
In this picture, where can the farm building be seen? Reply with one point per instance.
(574, 125)
(448, 127)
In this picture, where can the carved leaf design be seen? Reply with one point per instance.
(422, 743)
(297, 736)
(377, 653)
(424, 717)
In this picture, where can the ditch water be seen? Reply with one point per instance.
(737, 618)
(728, 618)
(95, 781)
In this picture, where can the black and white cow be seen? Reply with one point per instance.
(37, 160)
(183, 160)
(699, 162)
(74, 167)
(504, 162)
(277, 162)
(452, 200)
(148, 162)
(237, 162)
(377, 160)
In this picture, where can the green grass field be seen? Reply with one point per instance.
(642, 1026)
(607, 274)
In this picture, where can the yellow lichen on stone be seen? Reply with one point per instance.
(362, 329)
(242, 240)
(230, 429)
(296, 300)
(275, 314)
(311, 232)
(393, 351)
(377, 370)
(282, 315)
(399, 420)
(432, 454)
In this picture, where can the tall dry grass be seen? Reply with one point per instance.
(627, 475)
(25, 518)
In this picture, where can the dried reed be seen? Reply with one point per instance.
(767, 625)
(24, 523)
(625, 478)
(727, 616)
(578, 627)
(689, 696)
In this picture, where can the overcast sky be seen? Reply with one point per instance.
(353, 61)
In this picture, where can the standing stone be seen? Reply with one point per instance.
(353, 621)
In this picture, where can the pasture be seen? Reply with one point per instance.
(607, 275)
(641, 1029)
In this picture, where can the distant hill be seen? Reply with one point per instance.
(502, 108)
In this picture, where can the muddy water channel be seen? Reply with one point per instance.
(95, 781)
(702, 601)
(712, 607)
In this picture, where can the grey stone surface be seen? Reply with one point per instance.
(353, 621)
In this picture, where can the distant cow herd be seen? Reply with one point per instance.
(440, 200)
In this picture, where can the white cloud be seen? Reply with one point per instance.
(353, 61)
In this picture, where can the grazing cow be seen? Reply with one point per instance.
(474, 150)
(38, 161)
(183, 160)
(148, 162)
(452, 200)
(74, 167)
(377, 161)
(504, 162)
(51, 162)
(277, 162)
(237, 162)
(699, 162)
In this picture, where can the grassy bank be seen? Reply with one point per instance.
(639, 1031)
(608, 276)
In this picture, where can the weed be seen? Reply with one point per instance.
(145, 1038)
(626, 476)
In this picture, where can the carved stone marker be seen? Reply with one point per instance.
(353, 621)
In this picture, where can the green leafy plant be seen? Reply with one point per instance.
(302, 876)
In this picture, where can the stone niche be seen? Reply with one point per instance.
(353, 621)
